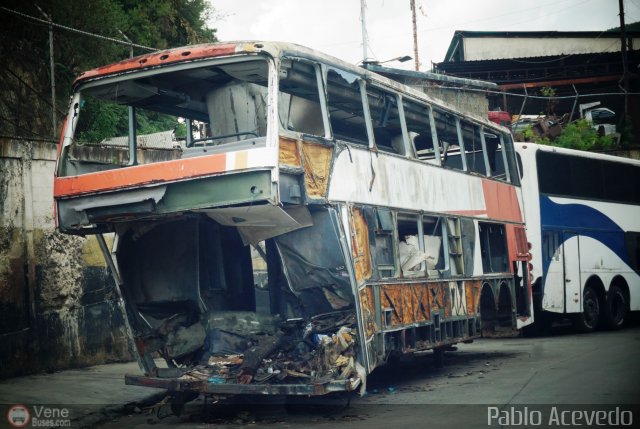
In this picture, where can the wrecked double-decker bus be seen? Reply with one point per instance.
(281, 222)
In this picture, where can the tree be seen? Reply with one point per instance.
(25, 102)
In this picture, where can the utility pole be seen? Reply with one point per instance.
(53, 76)
(412, 3)
(363, 22)
(625, 65)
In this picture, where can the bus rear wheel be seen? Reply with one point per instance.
(616, 308)
(588, 320)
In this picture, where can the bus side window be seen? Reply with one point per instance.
(346, 108)
(385, 119)
(500, 156)
(493, 247)
(384, 233)
(417, 117)
(411, 255)
(446, 127)
(509, 156)
(434, 230)
(299, 104)
(473, 147)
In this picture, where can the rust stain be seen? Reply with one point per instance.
(439, 297)
(161, 58)
(391, 298)
(368, 311)
(420, 302)
(288, 152)
(317, 163)
(360, 244)
(472, 292)
(409, 303)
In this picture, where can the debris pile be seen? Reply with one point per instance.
(316, 352)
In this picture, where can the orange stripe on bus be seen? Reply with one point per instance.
(501, 201)
(139, 175)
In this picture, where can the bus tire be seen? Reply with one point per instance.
(615, 311)
(588, 320)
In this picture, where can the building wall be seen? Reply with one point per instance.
(469, 102)
(491, 48)
(57, 302)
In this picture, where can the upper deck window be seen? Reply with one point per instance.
(300, 107)
(165, 114)
(386, 120)
(347, 110)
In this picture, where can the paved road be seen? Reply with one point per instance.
(566, 371)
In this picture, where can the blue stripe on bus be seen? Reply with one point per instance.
(580, 219)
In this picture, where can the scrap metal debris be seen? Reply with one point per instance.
(317, 352)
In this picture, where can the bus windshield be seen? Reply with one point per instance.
(148, 117)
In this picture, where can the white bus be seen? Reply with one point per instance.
(582, 212)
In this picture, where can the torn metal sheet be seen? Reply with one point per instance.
(317, 165)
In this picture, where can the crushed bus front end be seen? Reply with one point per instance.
(171, 160)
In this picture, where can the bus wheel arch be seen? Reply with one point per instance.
(506, 306)
(593, 298)
(616, 307)
(488, 307)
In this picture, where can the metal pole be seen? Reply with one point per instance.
(575, 102)
(363, 22)
(124, 36)
(625, 65)
(412, 3)
(52, 66)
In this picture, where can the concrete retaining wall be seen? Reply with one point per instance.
(57, 302)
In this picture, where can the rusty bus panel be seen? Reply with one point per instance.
(360, 244)
(289, 153)
(317, 167)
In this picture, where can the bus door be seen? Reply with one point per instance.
(571, 247)
(560, 252)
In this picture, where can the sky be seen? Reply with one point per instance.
(334, 26)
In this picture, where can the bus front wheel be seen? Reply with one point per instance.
(588, 320)
(615, 308)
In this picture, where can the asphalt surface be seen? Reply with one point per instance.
(490, 383)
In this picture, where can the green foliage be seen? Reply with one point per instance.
(547, 91)
(99, 120)
(25, 103)
(579, 135)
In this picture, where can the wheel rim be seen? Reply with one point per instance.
(591, 309)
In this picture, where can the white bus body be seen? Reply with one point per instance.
(582, 212)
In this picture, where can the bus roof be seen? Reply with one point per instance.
(186, 54)
(577, 153)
